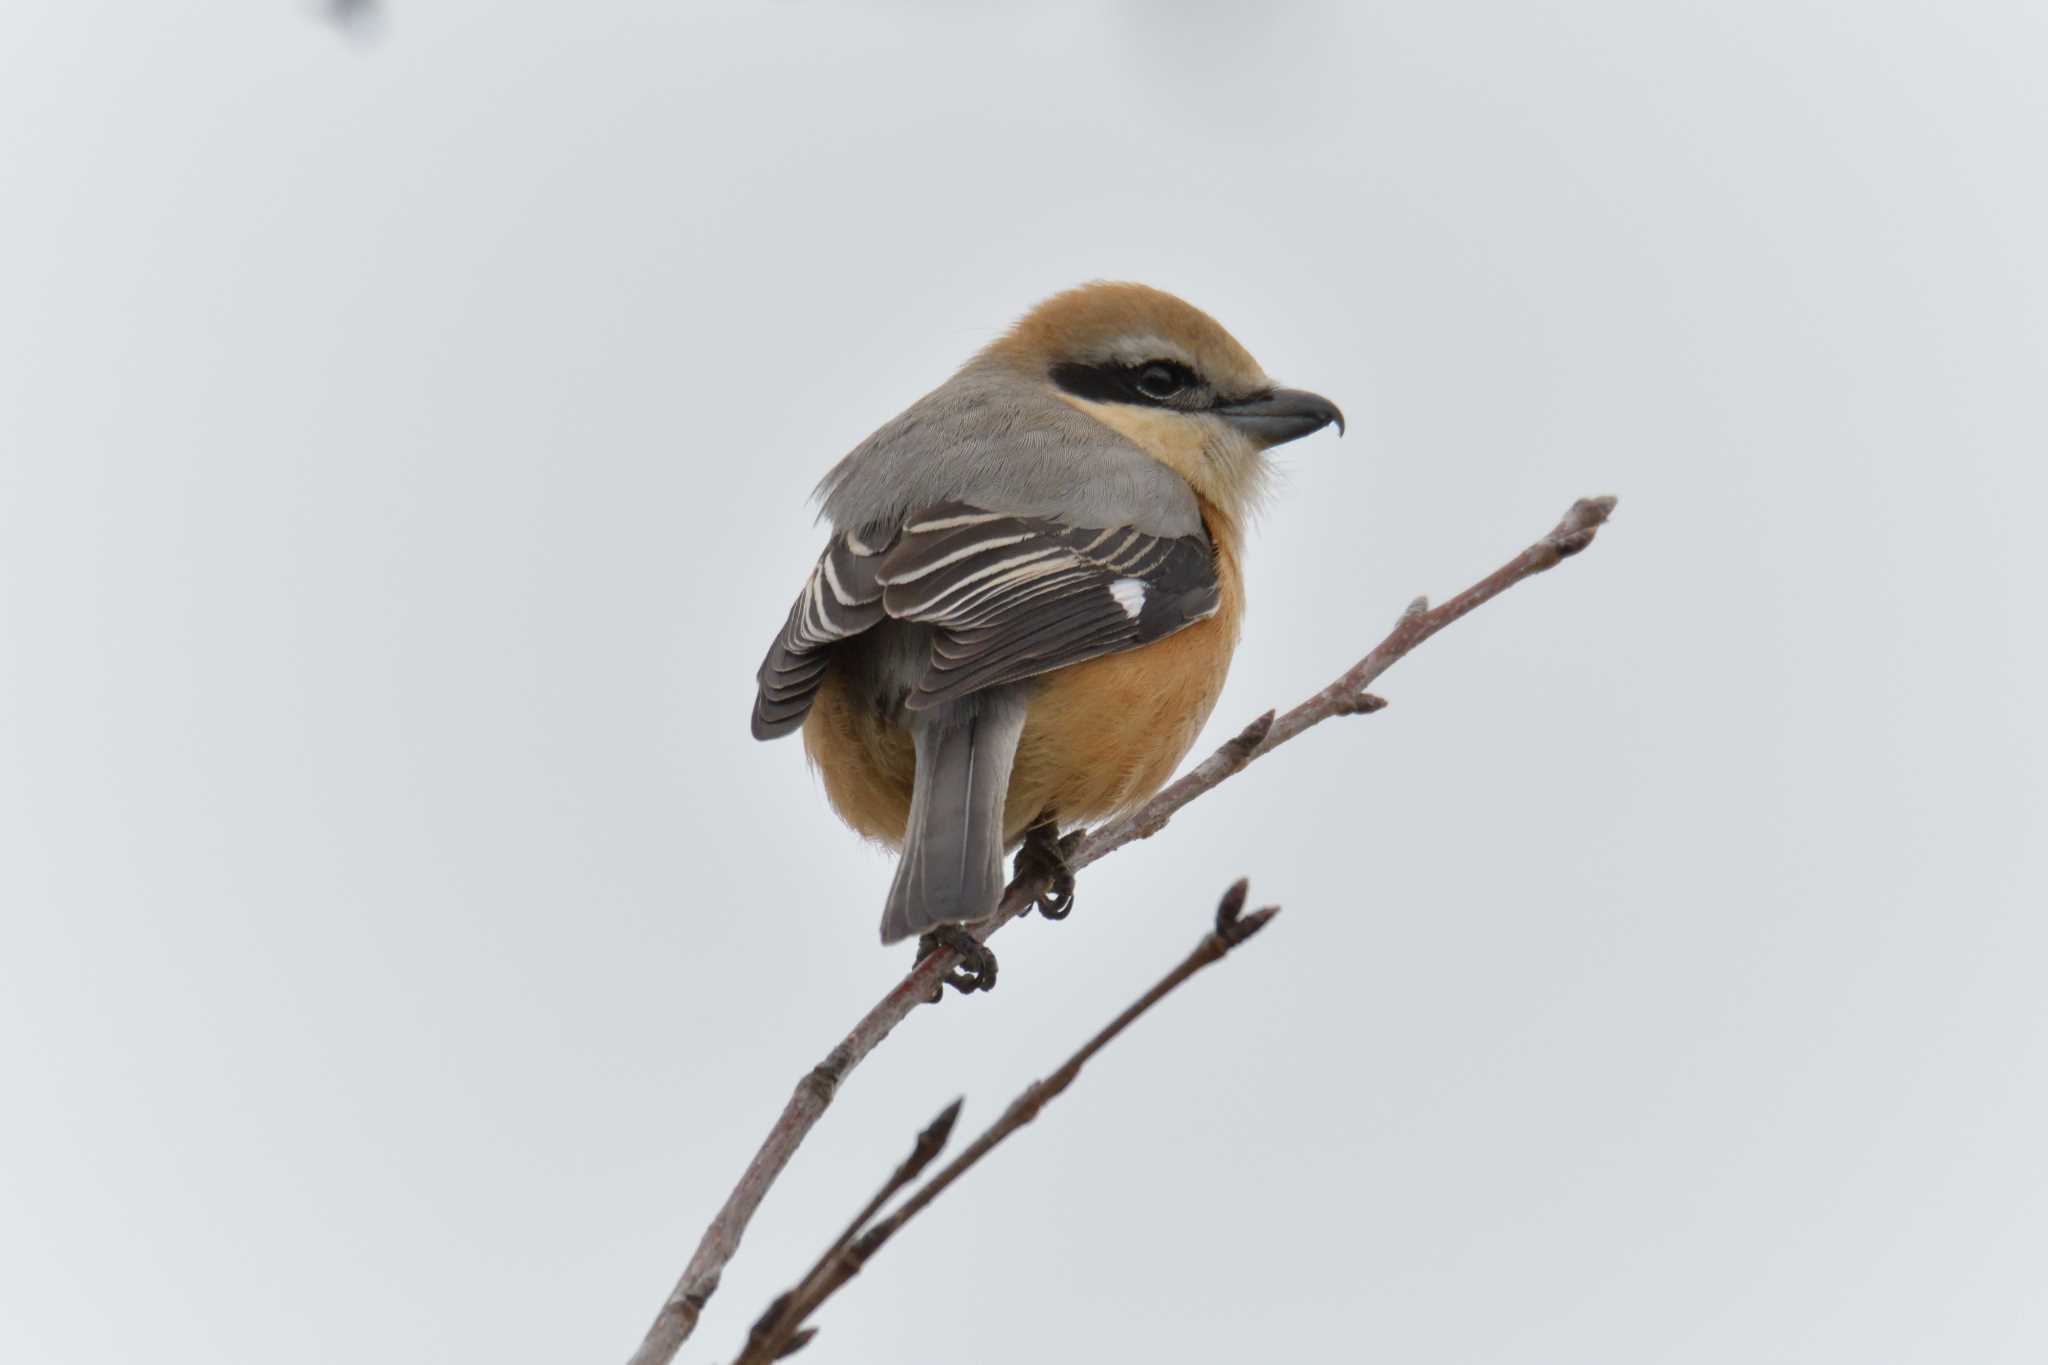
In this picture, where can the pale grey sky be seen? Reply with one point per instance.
(403, 454)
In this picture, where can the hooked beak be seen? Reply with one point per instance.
(1281, 415)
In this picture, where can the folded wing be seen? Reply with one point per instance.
(1008, 598)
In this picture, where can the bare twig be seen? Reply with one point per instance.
(780, 1335)
(1345, 696)
(781, 1331)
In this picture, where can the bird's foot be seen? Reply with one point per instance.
(976, 970)
(1045, 854)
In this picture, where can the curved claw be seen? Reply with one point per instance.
(1044, 854)
(1056, 902)
(976, 970)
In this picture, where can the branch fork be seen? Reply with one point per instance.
(1348, 695)
(782, 1331)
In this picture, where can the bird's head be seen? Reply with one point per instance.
(1165, 375)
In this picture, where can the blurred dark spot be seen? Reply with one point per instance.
(357, 16)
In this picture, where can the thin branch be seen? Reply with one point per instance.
(781, 1331)
(775, 1331)
(1345, 696)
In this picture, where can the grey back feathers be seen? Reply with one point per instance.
(996, 439)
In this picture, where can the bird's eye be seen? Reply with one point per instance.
(1160, 381)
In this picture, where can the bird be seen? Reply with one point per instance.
(1030, 596)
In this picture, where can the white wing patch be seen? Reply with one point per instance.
(1130, 595)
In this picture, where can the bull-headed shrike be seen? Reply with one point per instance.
(1031, 594)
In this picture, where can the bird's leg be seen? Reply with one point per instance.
(977, 967)
(1044, 854)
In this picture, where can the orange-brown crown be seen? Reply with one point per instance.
(1110, 321)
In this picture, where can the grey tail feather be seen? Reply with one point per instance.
(951, 871)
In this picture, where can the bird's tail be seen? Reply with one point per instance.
(951, 871)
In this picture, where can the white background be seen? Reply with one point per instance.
(404, 438)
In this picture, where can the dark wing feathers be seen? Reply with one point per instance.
(840, 598)
(1008, 598)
